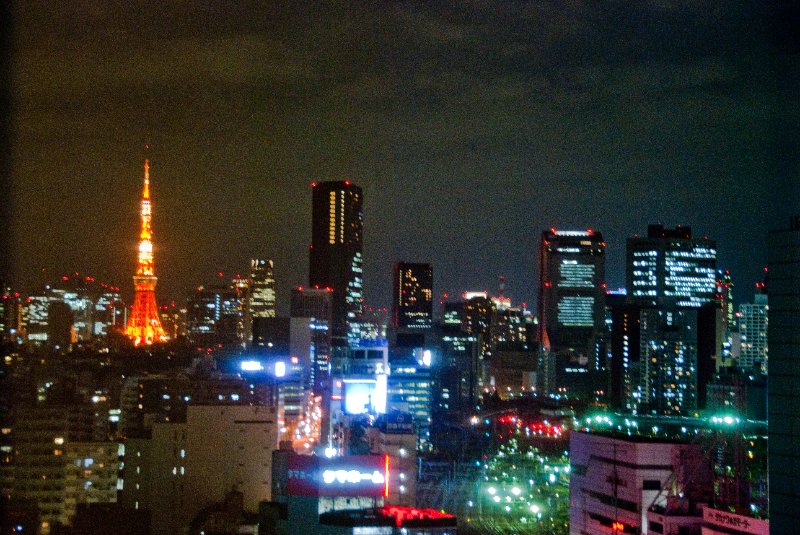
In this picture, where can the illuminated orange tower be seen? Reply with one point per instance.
(144, 326)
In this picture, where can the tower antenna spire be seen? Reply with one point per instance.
(144, 324)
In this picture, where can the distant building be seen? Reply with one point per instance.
(214, 316)
(315, 304)
(272, 336)
(147, 399)
(457, 374)
(784, 377)
(262, 289)
(412, 296)
(572, 306)
(337, 227)
(571, 291)
(37, 320)
(670, 267)
(409, 390)
(725, 299)
(753, 322)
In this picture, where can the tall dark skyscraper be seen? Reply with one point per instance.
(571, 303)
(337, 229)
(784, 378)
(412, 296)
(670, 267)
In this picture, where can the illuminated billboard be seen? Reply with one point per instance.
(355, 475)
(365, 395)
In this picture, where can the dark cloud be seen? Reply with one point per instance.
(470, 125)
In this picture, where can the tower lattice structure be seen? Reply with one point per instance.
(144, 325)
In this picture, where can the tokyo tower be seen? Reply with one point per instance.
(144, 326)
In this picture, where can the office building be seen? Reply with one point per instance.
(336, 254)
(261, 289)
(409, 390)
(753, 323)
(670, 267)
(214, 316)
(571, 311)
(617, 483)
(412, 296)
(457, 373)
(152, 398)
(725, 299)
(572, 293)
(784, 378)
(315, 305)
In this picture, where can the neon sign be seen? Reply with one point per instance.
(352, 476)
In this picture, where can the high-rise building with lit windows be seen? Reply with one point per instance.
(753, 324)
(725, 299)
(572, 294)
(412, 296)
(336, 260)
(670, 267)
(262, 289)
(315, 305)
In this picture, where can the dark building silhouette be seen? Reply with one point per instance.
(571, 308)
(337, 228)
(784, 378)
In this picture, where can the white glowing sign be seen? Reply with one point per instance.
(352, 476)
(251, 366)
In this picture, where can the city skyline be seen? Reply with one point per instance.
(470, 130)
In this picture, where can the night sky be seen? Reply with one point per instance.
(471, 126)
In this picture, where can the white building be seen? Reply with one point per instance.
(615, 480)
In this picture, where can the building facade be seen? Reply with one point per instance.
(753, 324)
(337, 228)
(616, 480)
(183, 467)
(571, 292)
(784, 378)
(670, 267)
(412, 296)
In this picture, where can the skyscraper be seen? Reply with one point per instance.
(144, 324)
(571, 303)
(725, 299)
(337, 228)
(262, 288)
(315, 304)
(784, 378)
(753, 333)
(672, 268)
(412, 296)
